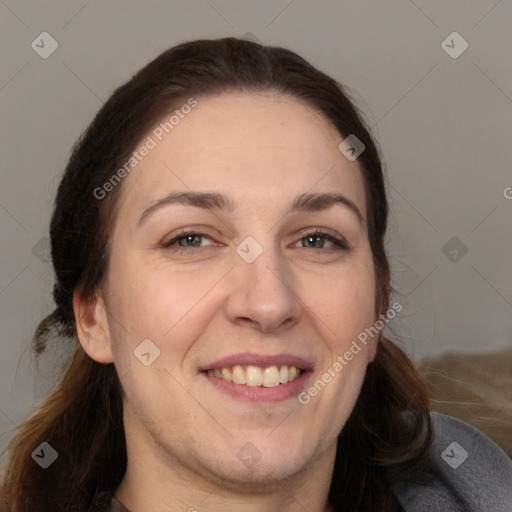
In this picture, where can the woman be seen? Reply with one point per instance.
(218, 244)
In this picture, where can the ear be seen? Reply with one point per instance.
(92, 327)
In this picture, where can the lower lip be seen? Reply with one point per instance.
(260, 394)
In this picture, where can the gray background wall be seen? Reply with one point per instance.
(444, 122)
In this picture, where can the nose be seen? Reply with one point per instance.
(262, 294)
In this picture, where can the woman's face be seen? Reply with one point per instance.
(249, 284)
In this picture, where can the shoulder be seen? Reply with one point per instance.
(467, 472)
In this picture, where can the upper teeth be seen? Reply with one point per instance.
(268, 377)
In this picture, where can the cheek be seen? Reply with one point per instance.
(170, 307)
(153, 397)
(345, 309)
(344, 302)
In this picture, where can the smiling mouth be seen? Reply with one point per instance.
(255, 376)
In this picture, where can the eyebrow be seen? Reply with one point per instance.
(307, 202)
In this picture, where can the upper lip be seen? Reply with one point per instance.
(247, 359)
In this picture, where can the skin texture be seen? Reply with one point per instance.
(300, 296)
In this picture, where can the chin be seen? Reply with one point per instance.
(264, 472)
(260, 462)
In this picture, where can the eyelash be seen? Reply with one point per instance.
(339, 244)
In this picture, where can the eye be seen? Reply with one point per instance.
(318, 240)
(187, 241)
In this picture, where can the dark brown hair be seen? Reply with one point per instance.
(389, 428)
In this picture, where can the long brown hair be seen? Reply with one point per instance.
(389, 428)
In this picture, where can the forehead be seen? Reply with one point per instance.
(249, 143)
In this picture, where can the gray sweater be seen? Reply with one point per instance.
(469, 473)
